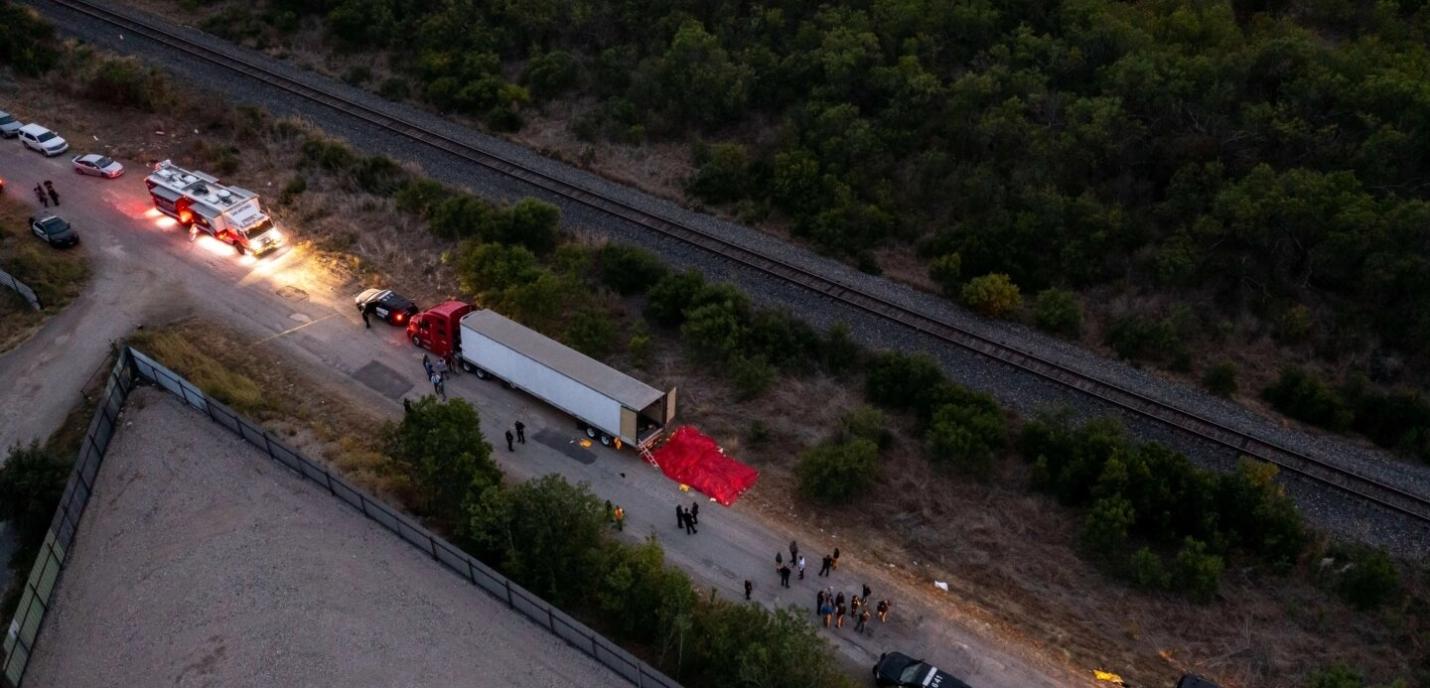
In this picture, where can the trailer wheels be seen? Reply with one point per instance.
(605, 439)
(416, 342)
(591, 432)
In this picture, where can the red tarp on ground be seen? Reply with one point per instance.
(692, 458)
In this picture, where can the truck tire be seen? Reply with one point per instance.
(481, 374)
(416, 342)
(591, 432)
(605, 439)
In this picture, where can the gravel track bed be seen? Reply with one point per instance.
(1021, 391)
(200, 561)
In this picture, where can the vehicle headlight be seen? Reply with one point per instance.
(275, 236)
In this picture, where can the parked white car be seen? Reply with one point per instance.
(38, 138)
(97, 165)
(9, 126)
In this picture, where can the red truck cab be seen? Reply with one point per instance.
(436, 329)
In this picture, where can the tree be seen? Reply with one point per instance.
(545, 533)
(947, 271)
(1197, 572)
(698, 80)
(722, 173)
(531, 223)
(751, 376)
(32, 479)
(1370, 580)
(629, 270)
(834, 472)
(462, 215)
(440, 447)
(713, 332)
(672, 295)
(493, 267)
(1147, 571)
(1058, 311)
(591, 332)
(420, 196)
(550, 74)
(967, 437)
(1220, 379)
(902, 381)
(1104, 531)
(993, 295)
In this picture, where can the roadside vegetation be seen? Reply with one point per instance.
(1217, 180)
(58, 276)
(623, 305)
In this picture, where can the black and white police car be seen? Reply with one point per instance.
(387, 305)
(899, 669)
(54, 231)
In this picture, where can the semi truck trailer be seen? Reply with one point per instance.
(610, 406)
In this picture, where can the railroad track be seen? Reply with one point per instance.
(1360, 486)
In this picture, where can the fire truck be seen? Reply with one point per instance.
(199, 202)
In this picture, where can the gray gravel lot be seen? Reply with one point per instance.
(1018, 390)
(200, 562)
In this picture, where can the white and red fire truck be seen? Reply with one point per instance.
(198, 201)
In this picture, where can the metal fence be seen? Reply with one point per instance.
(40, 585)
(20, 288)
(134, 365)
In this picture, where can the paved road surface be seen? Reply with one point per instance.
(146, 272)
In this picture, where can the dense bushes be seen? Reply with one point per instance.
(551, 537)
(847, 463)
(32, 480)
(1058, 311)
(992, 295)
(125, 82)
(1147, 494)
(27, 44)
(439, 446)
(1396, 419)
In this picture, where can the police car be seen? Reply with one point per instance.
(899, 669)
(387, 305)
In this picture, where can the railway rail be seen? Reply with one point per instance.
(1378, 492)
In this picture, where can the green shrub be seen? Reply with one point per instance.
(1220, 379)
(1147, 571)
(902, 381)
(1138, 338)
(462, 216)
(545, 533)
(27, 43)
(713, 332)
(532, 223)
(32, 479)
(395, 88)
(947, 271)
(751, 376)
(1370, 580)
(1294, 324)
(788, 342)
(420, 196)
(629, 270)
(1105, 529)
(672, 295)
(550, 74)
(378, 175)
(1059, 312)
(840, 351)
(993, 295)
(967, 438)
(1304, 396)
(293, 189)
(639, 348)
(868, 423)
(482, 268)
(126, 83)
(591, 332)
(440, 447)
(1197, 572)
(358, 75)
(330, 156)
(833, 472)
(722, 173)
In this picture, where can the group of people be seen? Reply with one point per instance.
(833, 609)
(520, 436)
(47, 194)
(437, 374)
(687, 518)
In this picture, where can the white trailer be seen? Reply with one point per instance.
(612, 407)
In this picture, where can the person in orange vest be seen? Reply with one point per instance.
(620, 515)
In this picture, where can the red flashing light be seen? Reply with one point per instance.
(186, 217)
(401, 317)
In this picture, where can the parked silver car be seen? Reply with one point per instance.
(9, 126)
(97, 165)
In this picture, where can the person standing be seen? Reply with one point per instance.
(695, 513)
(520, 433)
(793, 551)
(839, 611)
(690, 524)
(679, 517)
(801, 567)
(620, 516)
(834, 561)
(818, 601)
(784, 575)
(855, 603)
(839, 599)
(883, 610)
(866, 593)
(438, 387)
(427, 365)
(863, 618)
(826, 611)
(779, 559)
(749, 587)
(54, 195)
(825, 565)
(509, 439)
(40, 194)
(365, 322)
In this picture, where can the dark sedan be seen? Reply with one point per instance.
(387, 305)
(899, 669)
(54, 231)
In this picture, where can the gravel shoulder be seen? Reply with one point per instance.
(201, 562)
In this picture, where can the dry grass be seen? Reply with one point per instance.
(255, 380)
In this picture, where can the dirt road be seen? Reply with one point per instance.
(146, 271)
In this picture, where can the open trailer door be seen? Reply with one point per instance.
(669, 407)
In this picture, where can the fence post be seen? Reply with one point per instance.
(550, 618)
(329, 477)
(432, 543)
(509, 601)
(471, 572)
